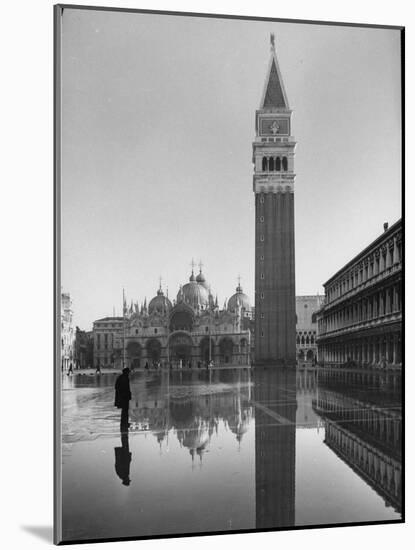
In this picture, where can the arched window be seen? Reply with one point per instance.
(284, 164)
(264, 164)
(278, 164)
(271, 164)
(302, 340)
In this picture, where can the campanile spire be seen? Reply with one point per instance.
(273, 185)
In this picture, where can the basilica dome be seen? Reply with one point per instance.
(160, 303)
(194, 294)
(200, 278)
(239, 299)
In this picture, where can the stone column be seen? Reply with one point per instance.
(386, 344)
(375, 265)
(392, 349)
(395, 251)
(381, 262)
(388, 256)
(380, 295)
(395, 298)
(388, 300)
(398, 350)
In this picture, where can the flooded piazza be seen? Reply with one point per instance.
(230, 449)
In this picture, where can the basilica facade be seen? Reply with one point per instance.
(191, 330)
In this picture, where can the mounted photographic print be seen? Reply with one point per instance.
(228, 274)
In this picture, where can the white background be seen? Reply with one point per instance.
(26, 269)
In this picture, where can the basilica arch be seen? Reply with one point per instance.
(181, 318)
(206, 349)
(226, 350)
(153, 348)
(134, 352)
(180, 346)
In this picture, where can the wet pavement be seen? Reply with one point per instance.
(234, 449)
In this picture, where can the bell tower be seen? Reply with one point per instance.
(273, 185)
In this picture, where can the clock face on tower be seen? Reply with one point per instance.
(274, 126)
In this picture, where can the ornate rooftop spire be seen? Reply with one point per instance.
(192, 276)
(274, 96)
(239, 288)
(160, 291)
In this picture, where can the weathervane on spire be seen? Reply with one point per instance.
(160, 282)
(272, 39)
(200, 265)
(192, 263)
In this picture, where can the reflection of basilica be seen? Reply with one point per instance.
(192, 328)
(190, 405)
(365, 428)
(275, 425)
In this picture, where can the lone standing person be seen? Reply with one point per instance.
(123, 396)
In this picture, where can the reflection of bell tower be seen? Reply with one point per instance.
(273, 157)
(275, 414)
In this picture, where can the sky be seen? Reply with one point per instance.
(158, 119)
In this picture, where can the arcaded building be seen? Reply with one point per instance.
(360, 430)
(361, 319)
(191, 329)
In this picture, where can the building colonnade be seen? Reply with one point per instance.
(361, 318)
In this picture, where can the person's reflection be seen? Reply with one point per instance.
(275, 412)
(123, 459)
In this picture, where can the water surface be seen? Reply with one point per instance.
(230, 449)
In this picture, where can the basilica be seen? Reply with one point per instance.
(190, 330)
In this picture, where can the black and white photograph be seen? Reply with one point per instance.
(229, 274)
